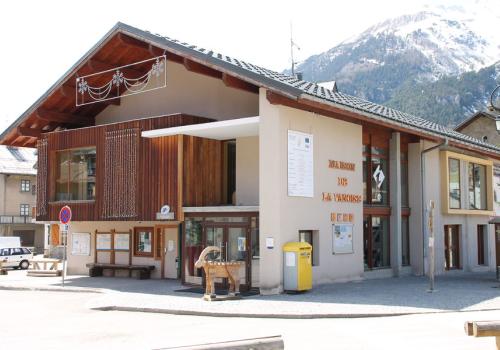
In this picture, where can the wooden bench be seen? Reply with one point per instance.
(95, 269)
(50, 268)
(484, 329)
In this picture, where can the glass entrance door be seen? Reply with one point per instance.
(233, 241)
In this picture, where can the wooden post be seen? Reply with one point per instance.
(112, 252)
(95, 247)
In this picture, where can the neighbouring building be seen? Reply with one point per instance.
(226, 153)
(18, 197)
(482, 126)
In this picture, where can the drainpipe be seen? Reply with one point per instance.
(422, 170)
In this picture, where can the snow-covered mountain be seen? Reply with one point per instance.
(419, 48)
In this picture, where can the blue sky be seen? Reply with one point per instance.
(42, 39)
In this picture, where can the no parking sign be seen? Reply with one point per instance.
(65, 215)
(64, 219)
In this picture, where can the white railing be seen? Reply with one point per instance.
(15, 219)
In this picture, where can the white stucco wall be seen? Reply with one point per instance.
(185, 92)
(247, 170)
(281, 216)
(76, 263)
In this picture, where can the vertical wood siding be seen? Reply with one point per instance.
(156, 168)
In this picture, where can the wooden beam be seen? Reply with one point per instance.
(54, 116)
(237, 83)
(128, 40)
(201, 69)
(23, 131)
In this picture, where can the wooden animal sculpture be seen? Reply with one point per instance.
(219, 269)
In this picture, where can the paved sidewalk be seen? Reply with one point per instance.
(380, 297)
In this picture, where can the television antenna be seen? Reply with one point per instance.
(292, 46)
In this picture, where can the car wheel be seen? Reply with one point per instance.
(24, 264)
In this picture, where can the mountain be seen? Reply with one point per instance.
(447, 54)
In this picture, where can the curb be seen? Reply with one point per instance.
(276, 316)
(53, 289)
(246, 315)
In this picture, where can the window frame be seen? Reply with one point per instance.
(25, 185)
(24, 206)
(70, 151)
(471, 206)
(459, 183)
(137, 230)
(371, 141)
(444, 174)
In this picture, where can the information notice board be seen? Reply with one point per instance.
(342, 238)
(300, 164)
(80, 243)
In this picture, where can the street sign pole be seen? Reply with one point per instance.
(64, 219)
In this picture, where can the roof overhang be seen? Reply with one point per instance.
(221, 130)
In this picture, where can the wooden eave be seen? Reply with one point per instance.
(57, 110)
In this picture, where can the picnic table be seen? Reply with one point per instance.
(50, 268)
(484, 329)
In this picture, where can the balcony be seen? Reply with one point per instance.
(15, 219)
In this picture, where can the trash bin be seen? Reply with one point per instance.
(297, 266)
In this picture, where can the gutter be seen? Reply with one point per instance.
(422, 182)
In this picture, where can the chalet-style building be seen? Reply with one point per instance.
(482, 126)
(18, 197)
(248, 159)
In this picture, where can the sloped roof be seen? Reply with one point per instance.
(284, 84)
(473, 117)
(17, 160)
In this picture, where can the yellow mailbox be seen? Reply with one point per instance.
(297, 266)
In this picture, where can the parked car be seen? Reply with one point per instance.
(16, 257)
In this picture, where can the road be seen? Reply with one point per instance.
(61, 320)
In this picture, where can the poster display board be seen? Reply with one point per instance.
(103, 241)
(122, 241)
(300, 164)
(80, 243)
(342, 238)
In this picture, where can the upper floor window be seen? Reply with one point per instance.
(25, 210)
(76, 173)
(25, 185)
(376, 174)
(477, 186)
(454, 182)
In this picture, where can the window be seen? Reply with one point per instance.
(33, 189)
(25, 185)
(452, 247)
(454, 183)
(25, 209)
(477, 186)
(76, 171)
(405, 241)
(485, 138)
(143, 241)
(376, 242)
(26, 251)
(4, 252)
(482, 244)
(376, 174)
(16, 251)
